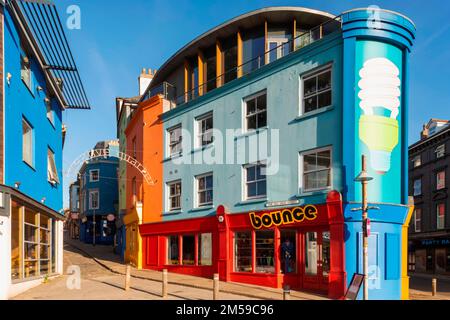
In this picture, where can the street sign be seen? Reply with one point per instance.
(355, 287)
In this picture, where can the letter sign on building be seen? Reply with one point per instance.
(283, 217)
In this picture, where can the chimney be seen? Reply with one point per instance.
(144, 79)
(424, 134)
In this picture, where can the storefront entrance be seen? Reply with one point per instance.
(316, 260)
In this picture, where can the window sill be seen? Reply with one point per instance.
(28, 87)
(314, 192)
(172, 157)
(29, 165)
(313, 113)
(202, 148)
(199, 209)
(251, 133)
(172, 213)
(251, 201)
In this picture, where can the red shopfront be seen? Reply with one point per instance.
(302, 247)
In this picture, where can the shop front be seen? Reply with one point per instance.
(302, 247)
(430, 255)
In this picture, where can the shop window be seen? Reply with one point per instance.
(204, 130)
(205, 190)
(447, 268)
(189, 250)
(45, 244)
(440, 180)
(52, 172)
(27, 142)
(256, 111)
(173, 250)
(440, 151)
(317, 90)
(255, 181)
(417, 161)
(316, 167)
(441, 257)
(243, 251)
(288, 251)
(205, 249)
(417, 187)
(418, 220)
(174, 195)
(175, 141)
(440, 216)
(94, 175)
(31, 242)
(326, 245)
(265, 251)
(311, 253)
(16, 241)
(421, 260)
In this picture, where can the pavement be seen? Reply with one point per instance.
(420, 287)
(103, 278)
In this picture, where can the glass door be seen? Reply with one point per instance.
(316, 260)
(278, 48)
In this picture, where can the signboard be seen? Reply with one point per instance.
(283, 217)
(355, 287)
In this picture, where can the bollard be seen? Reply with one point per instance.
(164, 283)
(128, 277)
(434, 287)
(286, 293)
(216, 286)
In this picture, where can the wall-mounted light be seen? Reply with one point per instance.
(17, 184)
(8, 78)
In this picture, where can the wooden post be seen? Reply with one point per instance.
(216, 286)
(434, 287)
(219, 64)
(164, 283)
(128, 278)
(240, 54)
(286, 293)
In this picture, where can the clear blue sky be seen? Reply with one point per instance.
(119, 38)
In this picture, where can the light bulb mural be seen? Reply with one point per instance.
(380, 100)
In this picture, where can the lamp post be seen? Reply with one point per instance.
(364, 178)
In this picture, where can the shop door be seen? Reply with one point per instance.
(316, 260)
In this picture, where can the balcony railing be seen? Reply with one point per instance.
(302, 40)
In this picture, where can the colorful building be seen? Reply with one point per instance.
(253, 135)
(39, 82)
(99, 195)
(72, 224)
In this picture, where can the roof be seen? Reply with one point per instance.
(41, 26)
(308, 17)
(440, 133)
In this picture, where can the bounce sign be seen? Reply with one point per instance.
(284, 217)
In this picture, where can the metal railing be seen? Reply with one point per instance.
(302, 40)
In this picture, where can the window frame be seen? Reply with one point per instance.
(414, 161)
(91, 175)
(444, 185)
(246, 116)
(414, 187)
(198, 191)
(170, 145)
(50, 111)
(417, 222)
(438, 216)
(91, 192)
(246, 182)
(440, 151)
(52, 169)
(315, 73)
(169, 196)
(302, 173)
(25, 66)
(31, 147)
(199, 142)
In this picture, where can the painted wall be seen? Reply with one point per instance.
(21, 102)
(122, 165)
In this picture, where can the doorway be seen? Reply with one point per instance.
(316, 260)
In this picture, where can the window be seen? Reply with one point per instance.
(440, 180)
(311, 253)
(204, 127)
(288, 251)
(94, 175)
(243, 251)
(256, 112)
(440, 151)
(93, 200)
(265, 251)
(317, 90)
(175, 138)
(418, 220)
(440, 216)
(417, 161)
(255, 181)
(52, 172)
(417, 187)
(204, 190)
(25, 71)
(174, 195)
(205, 249)
(316, 167)
(50, 114)
(173, 250)
(188, 250)
(27, 143)
(134, 148)
(31, 243)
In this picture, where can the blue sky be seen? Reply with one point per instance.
(119, 38)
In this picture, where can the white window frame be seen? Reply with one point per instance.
(440, 151)
(25, 71)
(245, 115)
(169, 196)
(301, 176)
(437, 180)
(91, 192)
(171, 145)
(198, 191)
(438, 226)
(417, 161)
(417, 222)
(50, 113)
(91, 179)
(414, 187)
(198, 130)
(245, 182)
(52, 170)
(315, 74)
(30, 148)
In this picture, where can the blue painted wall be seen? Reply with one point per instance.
(20, 102)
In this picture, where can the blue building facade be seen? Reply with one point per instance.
(99, 197)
